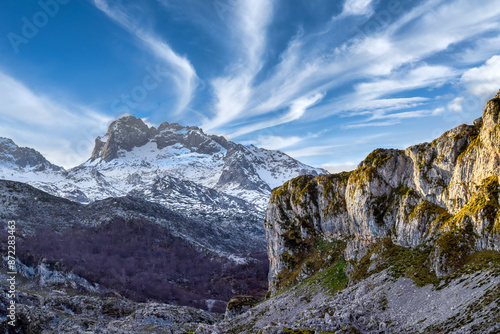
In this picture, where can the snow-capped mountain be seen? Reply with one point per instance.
(15, 158)
(133, 153)
(180, 167)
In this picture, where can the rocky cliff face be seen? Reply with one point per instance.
(441, 198)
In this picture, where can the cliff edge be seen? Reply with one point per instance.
(438, 201)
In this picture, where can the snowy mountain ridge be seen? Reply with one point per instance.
(180, 167)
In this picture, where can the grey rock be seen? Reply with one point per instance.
(428, 191)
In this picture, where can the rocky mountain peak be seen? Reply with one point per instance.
(129, 132)
(492, 111)
(23, 157)
(124, 133)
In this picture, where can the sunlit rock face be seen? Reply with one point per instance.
(442, 194)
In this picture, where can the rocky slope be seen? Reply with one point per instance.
(139, 249)
(409, 242)
(34, 208)
(69, 309)
(381, 303)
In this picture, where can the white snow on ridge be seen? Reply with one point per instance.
(178, 175)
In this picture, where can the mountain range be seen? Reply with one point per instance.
(203, 177)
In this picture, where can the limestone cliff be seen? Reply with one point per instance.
(439, 198)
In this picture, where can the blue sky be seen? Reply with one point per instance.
(324, 81)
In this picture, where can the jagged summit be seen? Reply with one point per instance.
(124, 133)
(129, 132)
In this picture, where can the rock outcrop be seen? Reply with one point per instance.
(238, 305)
(442, 196)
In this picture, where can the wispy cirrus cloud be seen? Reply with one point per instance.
(233, 91)
(357, 7)
(422, 76)
(340, 146)
(385, 61)
(367, 124)
(314, 150)
(64, 132)
(297, 109)
(481, 49)
(182, 74)
(276, 142)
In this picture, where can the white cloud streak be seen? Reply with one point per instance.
(183, 73)
(296, 111)
(277, 142)
(234, 91)
(423, 76)
(371, 124)
(483, 81)
(313, 151)
(357, 7)
(64, 133)
(481, 50)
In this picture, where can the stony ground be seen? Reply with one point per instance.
(65, 310)
(380, 304)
